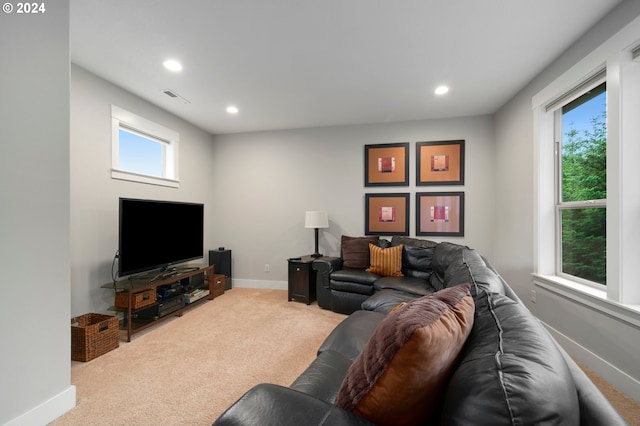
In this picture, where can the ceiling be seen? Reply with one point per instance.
(309, 63)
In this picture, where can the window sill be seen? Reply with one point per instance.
(151, 180)
(589, 296)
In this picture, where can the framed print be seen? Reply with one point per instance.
(386, 214)
(440, 214)
(386, 164)
(440, 163)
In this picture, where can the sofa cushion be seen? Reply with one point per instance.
(386, 299)
(323, 376)
(400, 375)
(416, 262)
(355, 251)
(351, 287)
(411, 285)
(354, 276)
(510, 371)
(386, 262)
(352, 334)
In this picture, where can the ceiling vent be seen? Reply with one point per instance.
(173, 95)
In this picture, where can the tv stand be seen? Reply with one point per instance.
(131, 288)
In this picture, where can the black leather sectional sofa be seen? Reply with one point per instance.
(509, 370)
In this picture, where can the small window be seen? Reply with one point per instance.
(143, 151)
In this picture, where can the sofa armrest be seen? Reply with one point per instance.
(326, 265)
(268, 404)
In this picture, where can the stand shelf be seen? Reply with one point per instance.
(136, 320)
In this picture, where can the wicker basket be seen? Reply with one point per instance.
(93, 335)
(138, 300)
(218, 285)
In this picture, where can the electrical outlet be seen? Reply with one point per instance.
(533, 296)
(266, 267)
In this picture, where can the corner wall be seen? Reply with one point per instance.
(602, 342)
(94, 194)
(35, 384)
(265, 181)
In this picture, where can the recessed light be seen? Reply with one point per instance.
(441, 90)
(172, 65)
(231, 109)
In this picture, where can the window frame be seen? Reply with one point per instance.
(556, 108)
(621, 297)
(130, 122)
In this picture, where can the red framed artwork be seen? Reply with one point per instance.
(440, 163)
(440, 214)
(386, 214)
(386, 164)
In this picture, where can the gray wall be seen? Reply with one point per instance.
(59, 214)
(605, 343)
(35, 384)
(264, 181)
(255, 186)
(94, 194)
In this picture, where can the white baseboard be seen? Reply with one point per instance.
(48, 411)
(616, 377)
(271, 285)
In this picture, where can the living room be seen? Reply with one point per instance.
(256, 187)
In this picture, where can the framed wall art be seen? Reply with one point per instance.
(386, 214)
(386, 164)
(440, 214)
(440, 163)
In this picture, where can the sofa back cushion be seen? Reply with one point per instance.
(511, 371)
(454, 264)
(355, 251)
(400, 375)
(416, 256)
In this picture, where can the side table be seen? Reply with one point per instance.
(302, 279)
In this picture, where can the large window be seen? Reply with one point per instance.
(143, 151)
(587, 202)
(581, 138)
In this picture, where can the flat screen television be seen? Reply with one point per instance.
(158, 234)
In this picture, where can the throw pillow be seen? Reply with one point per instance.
(386, 262)
(400, 375)
(355, 251)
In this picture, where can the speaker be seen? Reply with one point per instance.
(221, 258)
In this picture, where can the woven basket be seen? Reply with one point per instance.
(218, 285)
(138, 300)
(94, 335)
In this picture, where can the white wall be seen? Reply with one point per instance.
(94, 195)
(35, 385)
(265, 181)
(606, 344)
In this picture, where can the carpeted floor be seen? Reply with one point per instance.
(188, 370)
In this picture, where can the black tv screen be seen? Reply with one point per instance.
(157, 234)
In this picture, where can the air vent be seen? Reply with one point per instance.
(173, 95)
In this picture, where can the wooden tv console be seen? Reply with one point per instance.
(136, 293)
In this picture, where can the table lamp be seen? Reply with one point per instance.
(316, 220)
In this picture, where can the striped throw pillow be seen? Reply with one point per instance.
(386, 262)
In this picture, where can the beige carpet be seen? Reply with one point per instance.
(188, 370)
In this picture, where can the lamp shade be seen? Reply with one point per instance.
(316, 219)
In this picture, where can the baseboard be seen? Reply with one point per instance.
(49, 410)
(270, 285)
(616, 377)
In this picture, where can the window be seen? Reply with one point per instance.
(586, 198)
(581, 152)
(143, 151)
